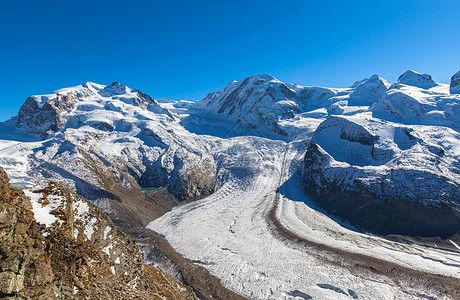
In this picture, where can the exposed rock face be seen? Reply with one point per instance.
(455, 83)
(349, 131)
(190, 178)
(72, 251)
(42, 114)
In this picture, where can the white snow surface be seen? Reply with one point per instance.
(42, 213)
(106, 231)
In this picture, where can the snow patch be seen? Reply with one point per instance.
(107, 249)
(42, 213)
(89, 228)
(106, 231)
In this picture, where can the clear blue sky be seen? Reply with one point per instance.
(185, 49)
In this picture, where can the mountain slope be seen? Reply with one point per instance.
(58, 245)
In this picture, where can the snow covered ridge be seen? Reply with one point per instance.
(266, 105)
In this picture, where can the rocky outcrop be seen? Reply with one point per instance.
(71, 250)
(193, 176)
(455, 83)
(38, 120)
(349, 131)
(42, 115)
(25, 265)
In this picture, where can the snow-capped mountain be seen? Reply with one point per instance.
(114, 135)
(416, 99)
(393, 168)
(262, 105)
(384, 157)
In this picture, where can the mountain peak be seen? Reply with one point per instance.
(367, 91)
(375, 77)
(264, 77)
(416, 79)
(114, 89)
(260, 79)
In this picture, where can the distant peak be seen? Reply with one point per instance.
(374, 79)
(367, 91)
(264, 77)
(357, 83)
(410, 74)
(377, 79)
(90, 84)
(416, 79)
(115, 88)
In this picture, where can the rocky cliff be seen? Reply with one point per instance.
(57, 245)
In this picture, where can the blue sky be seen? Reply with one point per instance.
(185, 49)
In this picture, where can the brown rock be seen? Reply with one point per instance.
(83, 256)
